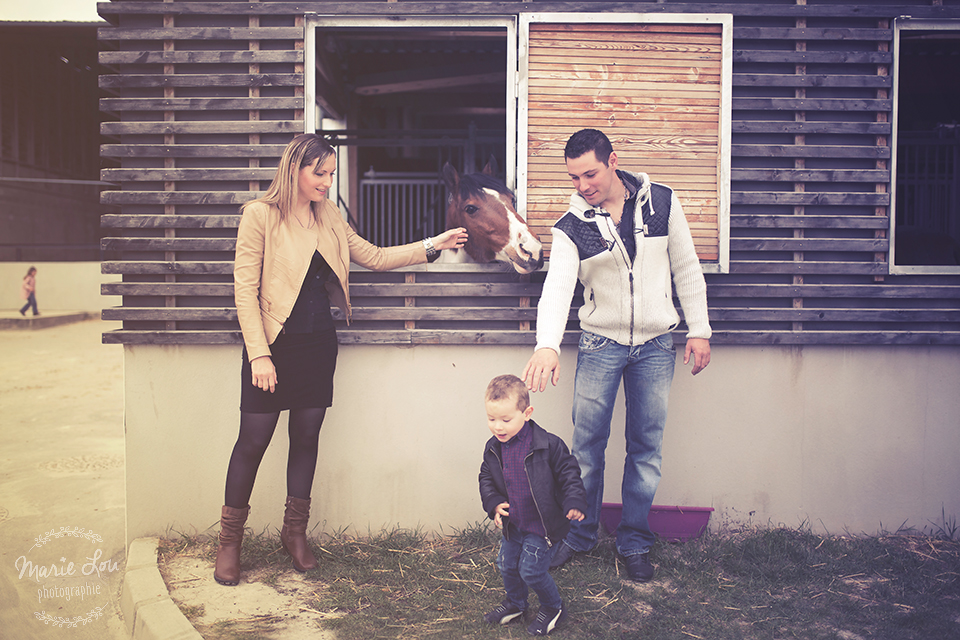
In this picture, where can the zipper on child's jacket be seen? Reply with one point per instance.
(546, 534)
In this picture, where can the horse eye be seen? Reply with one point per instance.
(471, 209)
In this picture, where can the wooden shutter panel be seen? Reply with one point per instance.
(655, 90)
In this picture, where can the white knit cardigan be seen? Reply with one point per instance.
(612, 308)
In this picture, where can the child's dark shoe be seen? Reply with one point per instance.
(505, 612)
(547, 620)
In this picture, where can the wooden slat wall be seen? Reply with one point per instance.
(654, 89)
(204, 106)
(205, 95)
(810, 203)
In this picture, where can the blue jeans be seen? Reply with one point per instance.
(31, 302)
(647, 372)
(524, 561)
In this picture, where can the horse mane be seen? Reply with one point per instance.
(473, 184)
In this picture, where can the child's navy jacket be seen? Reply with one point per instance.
(554, 477)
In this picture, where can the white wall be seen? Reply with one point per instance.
(845, 438)
(61, 286)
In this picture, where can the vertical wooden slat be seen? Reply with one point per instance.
(253, 92)
(799, 163)
(410, 278)
(169, 163)
(524, 303)
(298, 68)
(882, 141)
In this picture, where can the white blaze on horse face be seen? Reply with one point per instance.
(523, 249)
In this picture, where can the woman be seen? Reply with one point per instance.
(292, 262)
(28, 291)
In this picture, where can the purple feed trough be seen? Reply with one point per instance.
(674, 524)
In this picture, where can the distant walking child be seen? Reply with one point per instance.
(530, 487)
(28, 291)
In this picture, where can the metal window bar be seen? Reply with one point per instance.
(928, 184)
(397, 208)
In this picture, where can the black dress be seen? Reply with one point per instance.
(304, 354)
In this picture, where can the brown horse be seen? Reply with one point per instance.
(486, 208)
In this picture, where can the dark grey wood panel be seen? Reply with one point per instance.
(796, 173)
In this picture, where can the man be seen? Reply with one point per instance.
(626, 239)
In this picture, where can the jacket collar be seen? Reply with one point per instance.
(637, 184)
(538, 439)
(634, 182)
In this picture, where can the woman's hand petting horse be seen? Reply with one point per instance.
(451, 239)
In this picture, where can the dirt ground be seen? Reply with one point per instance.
(274, 610)
(62, 500)
(61, 483)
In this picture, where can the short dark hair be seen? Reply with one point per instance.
(587, 140)
(508, 387)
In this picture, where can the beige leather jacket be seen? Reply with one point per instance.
(272, 260)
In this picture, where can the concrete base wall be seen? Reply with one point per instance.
(857, 439)
(61, 286)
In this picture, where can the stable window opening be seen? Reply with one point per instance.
(399, 99)
(925, 221)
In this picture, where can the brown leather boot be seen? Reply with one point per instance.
(293, 535)
(227, 568)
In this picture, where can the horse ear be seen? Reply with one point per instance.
(491, 167)
(451, 177)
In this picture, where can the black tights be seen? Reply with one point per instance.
(256, 431)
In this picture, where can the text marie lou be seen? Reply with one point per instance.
(40, 572)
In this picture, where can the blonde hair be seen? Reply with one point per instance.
(302, 152)
(508, 386)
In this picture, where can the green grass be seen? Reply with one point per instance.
(761, 583)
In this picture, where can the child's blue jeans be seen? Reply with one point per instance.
(31, 302)
(524, 561)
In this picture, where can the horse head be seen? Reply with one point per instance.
(486, 208)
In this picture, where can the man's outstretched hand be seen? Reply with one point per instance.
(544, 365)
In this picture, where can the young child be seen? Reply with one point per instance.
(28, 291)
(530, 487)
